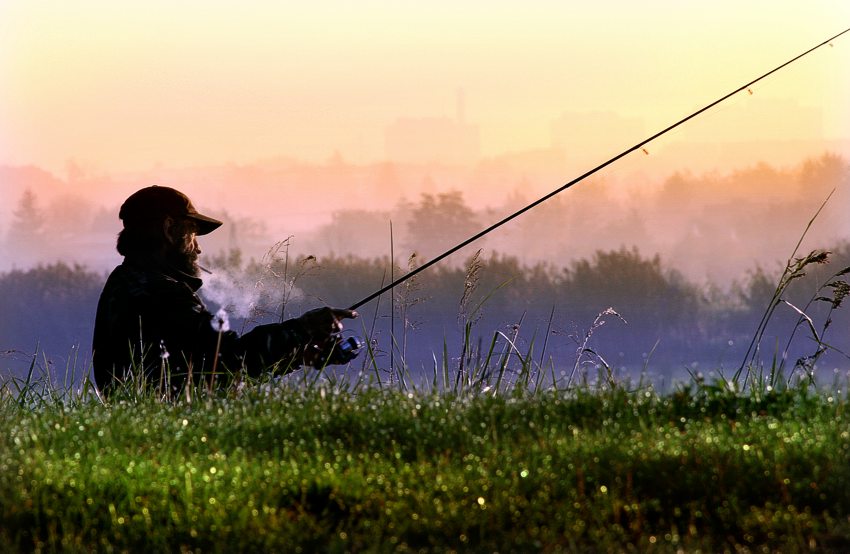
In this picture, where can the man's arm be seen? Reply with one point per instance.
(290, 344)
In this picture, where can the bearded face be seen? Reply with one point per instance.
(184, 250)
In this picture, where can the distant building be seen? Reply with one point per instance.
(432, 140)
(428, 140)
(758, 118)
(587, 138)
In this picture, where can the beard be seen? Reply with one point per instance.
(184, 260)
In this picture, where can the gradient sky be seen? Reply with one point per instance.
(130, 84)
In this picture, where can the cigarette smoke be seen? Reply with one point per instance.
(236, 296)
(246, 298)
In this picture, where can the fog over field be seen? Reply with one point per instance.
(344, 133)
(724, 236)
(713, 225)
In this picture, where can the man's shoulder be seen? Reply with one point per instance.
(135, 273)
(139, 280)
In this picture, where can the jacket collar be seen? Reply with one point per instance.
(149, 264)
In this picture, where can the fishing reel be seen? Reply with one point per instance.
(336, 350)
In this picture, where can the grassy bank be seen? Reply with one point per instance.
(313, 469)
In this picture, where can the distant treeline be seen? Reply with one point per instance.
(664, 320)
(47, 317)
(712, 225)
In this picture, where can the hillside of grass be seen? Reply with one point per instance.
(325, 468)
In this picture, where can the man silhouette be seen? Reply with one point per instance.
(151, 323)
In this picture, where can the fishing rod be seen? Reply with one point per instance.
(585, 175)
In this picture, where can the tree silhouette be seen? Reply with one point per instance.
(439, 222)
(655, 301)
(50, 308)
(26, 237)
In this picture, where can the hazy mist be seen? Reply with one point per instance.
(723, 232)
(709, 225)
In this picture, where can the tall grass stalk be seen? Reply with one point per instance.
(407, 299)
(795, 268)
(546, 343)
(583, 349)
(24, 391)
(392, 299)
(840, 289)
(370, 359)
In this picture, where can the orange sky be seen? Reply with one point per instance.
(130, 84)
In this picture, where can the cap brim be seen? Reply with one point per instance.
(206, 224)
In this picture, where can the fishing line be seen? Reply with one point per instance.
(587, 174)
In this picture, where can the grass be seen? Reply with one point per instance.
(293, 468)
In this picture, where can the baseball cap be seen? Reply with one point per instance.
(156, 202)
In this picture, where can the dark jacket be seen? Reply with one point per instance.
(151, 319)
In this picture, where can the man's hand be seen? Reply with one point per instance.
(321, 323)
(323, 327)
